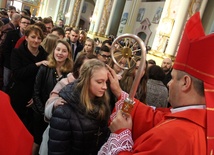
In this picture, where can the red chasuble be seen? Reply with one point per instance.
(15, 138)
(181, 133)
(157, 132)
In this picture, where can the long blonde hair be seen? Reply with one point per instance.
(49, 43)
(128, 78)
(86, 73)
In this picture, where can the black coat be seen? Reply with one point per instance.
(24, 72)
(46, 79)
(10, 41)
(78, 49)
(167, 78)
(72, 131)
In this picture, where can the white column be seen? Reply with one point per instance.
(203, 6)
(75, 13)
(133, 14)
(131, 19)
(98, 15)
(111, 17)
(68, 15)
(57, 10)
(127, 9)
(43, 10)
(93, 18)
(80, 12)
(178, 27)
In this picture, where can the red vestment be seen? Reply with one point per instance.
(15, 138)
(181, 133)
(156, 132)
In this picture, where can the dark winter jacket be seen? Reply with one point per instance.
(72, 130)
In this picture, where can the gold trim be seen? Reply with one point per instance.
(211, 109)
(190, 8)
(209, 75)
(167, 121)
(161, 55)
(210, 138)
(99, 34)
(209, 90)
(94, 33)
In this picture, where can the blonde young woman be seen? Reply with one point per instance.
(80, 126)
(60, 63)
(128, 77)
(88, 47)
(49, 43)
(54, 99)
(121, 61)
(82, 37)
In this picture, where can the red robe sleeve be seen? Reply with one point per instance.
(15, 138)
(144, 117)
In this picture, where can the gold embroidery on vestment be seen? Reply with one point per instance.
(211, 109)
(211, 152)
(206, 74)
(165, 122)
(209, 90)
(208, 137)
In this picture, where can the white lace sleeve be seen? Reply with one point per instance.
(117, 143)
(119, 104)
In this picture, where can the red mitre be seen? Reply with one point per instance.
(195, 56)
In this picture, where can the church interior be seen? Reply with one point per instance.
(159, 23)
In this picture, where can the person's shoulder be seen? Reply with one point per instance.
(169, 73)
(12, 32)
(44, 68)
(63, 112)
(5, 20)
(5, 28)
(17, 51)
(41, 49)
(79, 44)
(63, 81)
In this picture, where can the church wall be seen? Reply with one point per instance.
(150, 10)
